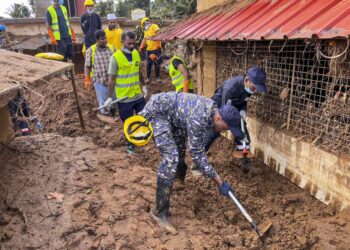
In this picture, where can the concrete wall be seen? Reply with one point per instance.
(206, 4)
(37, 27)
(324, 175)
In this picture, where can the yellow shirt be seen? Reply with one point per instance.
(114, 38)
(152, 31)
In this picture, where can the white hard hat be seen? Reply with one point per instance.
(111, 17)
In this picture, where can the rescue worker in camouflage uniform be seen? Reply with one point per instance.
(175, 116)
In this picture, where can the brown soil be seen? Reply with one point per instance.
(74, 189)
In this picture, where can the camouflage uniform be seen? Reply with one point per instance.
(173, 117)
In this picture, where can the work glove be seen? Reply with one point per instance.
(225, 188)
(52, 38)
(74, 37)
(145, 91)
(39, 126)
(88, 82)
(153, 57)
(243, 114)
(108, 102)
(186, 86)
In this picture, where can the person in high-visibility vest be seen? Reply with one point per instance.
(113, 32)
(96, 69)
(179, 73)
(60, 30)
(153, 47)
(125, 77)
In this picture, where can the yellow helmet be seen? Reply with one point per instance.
(143, 20)
(89, 3)
(138, 130)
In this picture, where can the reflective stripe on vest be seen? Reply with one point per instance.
(177, 78)
(54, 26)
(93, 51)
(127, 82)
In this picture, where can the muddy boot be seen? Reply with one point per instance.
(195, 171)
(180, 176)
(160, 213)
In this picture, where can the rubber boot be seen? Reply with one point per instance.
(160, 213)
(180, 176)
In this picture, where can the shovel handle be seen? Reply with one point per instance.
(115, 101)
(245, 214)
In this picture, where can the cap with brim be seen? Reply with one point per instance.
(258, 77)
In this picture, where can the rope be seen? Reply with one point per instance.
(199, 46)
(242, 53)
(332, 57)
(284, 45)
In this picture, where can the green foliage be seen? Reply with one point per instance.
(105, 7)
(18, 11)
(173, 9)
(124, 7)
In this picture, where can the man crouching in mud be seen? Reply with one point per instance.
(175, 117)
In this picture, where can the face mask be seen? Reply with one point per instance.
(90, 11)
(249, 91)
(112, 27)
(60, 2)
(147, 26)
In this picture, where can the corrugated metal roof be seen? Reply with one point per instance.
(266, 19)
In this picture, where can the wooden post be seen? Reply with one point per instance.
(292, 86)
(82, 125)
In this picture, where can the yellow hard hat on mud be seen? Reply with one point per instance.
(143, 20)
(89, 3)
(138, 130)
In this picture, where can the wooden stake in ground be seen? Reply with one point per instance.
(82, 125)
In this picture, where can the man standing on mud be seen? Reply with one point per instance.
(125, 77)
(175, 116)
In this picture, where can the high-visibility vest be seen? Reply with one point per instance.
(177, 77)
(127, 82)
(54, 26)
(93, 51)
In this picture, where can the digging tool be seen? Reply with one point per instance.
(115, 101)
(260, 233)
(245, 159)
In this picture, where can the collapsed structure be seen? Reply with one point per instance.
(301, 127)
(21, 71)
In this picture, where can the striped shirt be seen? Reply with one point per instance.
(101, 64)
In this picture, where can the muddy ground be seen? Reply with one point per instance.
(74, 189)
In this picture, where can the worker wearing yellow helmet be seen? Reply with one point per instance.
(153, 47)
(90, 22)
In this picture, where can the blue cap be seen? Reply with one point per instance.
(231, 116)
(258, 77)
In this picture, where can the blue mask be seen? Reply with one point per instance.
(60, 2)
(249, 91)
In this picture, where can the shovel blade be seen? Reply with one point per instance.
(265, 226)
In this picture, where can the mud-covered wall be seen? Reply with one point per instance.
(206, 69)
(37, 26)
(323, 174)
(206, 4)
(6, 131)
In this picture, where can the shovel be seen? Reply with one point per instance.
(260, 233)
(115, 101)
(245, 159)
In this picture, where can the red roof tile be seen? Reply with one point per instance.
(266, 19)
